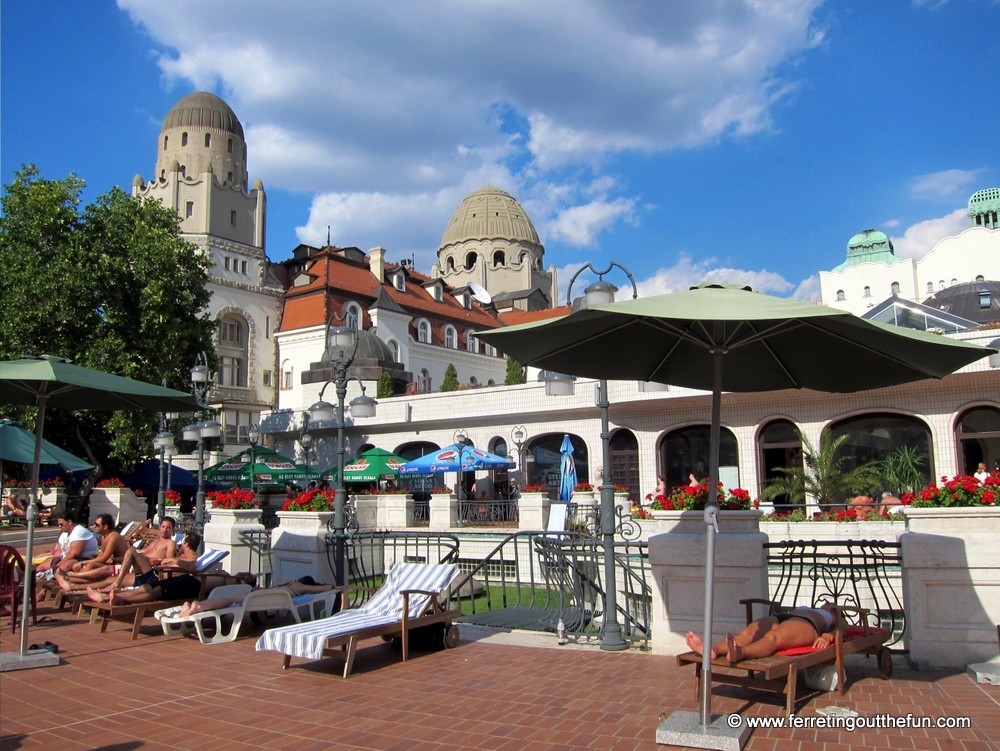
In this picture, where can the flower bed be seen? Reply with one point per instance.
(844, 515)
(693, 497)
(961, 490)
(314, 499)
(233, 499)
(110, 482)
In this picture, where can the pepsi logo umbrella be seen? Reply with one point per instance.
(455, 458)
(370, 466)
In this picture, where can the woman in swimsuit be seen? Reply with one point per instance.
(799, 627)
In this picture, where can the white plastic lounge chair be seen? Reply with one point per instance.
(228, 621)
(408, 599)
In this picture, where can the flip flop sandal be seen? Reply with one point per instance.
(53, 648)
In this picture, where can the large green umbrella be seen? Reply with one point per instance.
(18, 445)
(728, 338)
(49, 381)
(370, 466)
(269, 470)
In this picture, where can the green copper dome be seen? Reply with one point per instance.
(869, 246)
(984, 202)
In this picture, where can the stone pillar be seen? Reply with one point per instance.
(298, 546)
(533, 511)
(444, 512)
(230, 529)
(395, 511)
(951, 585)
(677, 563)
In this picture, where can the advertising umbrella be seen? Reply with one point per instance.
(146, 477)
(370, 466)
(270, 470)
(567, 471)
(18, 445)
(448, 460)
(727, 338)
(48, 381)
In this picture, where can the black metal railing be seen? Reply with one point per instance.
(488, 513)
(855, 573)
(421, 516)
(258, 545)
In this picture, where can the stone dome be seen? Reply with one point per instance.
(974, 301)
(486, 214)
(203, 110)
(370, 347)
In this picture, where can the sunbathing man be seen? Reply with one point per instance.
(304, 586)
(114, 547)
(137, 565)
(76, 543)
(799, 627)
(179, 587)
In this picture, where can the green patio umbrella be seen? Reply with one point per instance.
(719, 338)
(18, 445)
(48, 381)
(370, 466)
(269, 470)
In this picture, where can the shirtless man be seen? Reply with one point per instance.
(799, 627)
(114, 548)
(149, 586)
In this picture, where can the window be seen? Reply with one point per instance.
(980, 278)
(394, 348)
(164, 143)
(266, 379)
(978, 437)
(424, 332)
(840, 294)
(984, 298)
(895, 288)
(184, 170)
(229, 147)
(498, 258)
(232, 218)
(231, 331)
(490, 350)
(451, 264)
(267, 327)
(184, 139)
(686, 450)
(189, 209)
(233, 353)
(868, 291)
(930, 288)
(470, 261)
(208, 140)
(399, 281)
(473, 381)
(232, 371)
(227, 263)
(472, 342)
(229, 178)
(425, 381)
(243, 267)
(875, 436)
(450, 337)
(286, 375)
(352, 316)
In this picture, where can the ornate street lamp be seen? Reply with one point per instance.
(199, 431)
(518, 436)
(163, 442)
(602, 293)
(461, 439)
(305, 440)
(253, 438)
(341, 346)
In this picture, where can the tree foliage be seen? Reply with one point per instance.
(450, 380)
(515, 372)
(113, 287)
(384, 386)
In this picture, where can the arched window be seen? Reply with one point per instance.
(208, 140)
(980, 278)
(184, 139)
(840, 294)
(977, 437)
(229, 146)
(165, 143)
(930, 288)
(868, 291)
(473, 381)
(625, 462)
(499, 258)
(779, 446)
(425, 381)
(472, 341)
(875, 436)
(394, 348)
(423, 332)
(352, 316)
(542, 461)
(450, 263)
(233, 350)
(685, 452)
(286, 375)
(470, 261)
(895, 288)
(450, 337)
(954, 281)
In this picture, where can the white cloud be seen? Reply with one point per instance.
(945, 184)
(922, 236)
(688, 272)
(354, 100)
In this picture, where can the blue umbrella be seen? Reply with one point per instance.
(448, 458)
(567, 470)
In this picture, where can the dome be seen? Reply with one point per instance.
(984, 200)
(203, 110)
(486, 214)
(870, 239)
(370, 347)
(974, 301)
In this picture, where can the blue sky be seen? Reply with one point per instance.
(685, 140)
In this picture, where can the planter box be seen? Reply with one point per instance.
(298, 546)
(533, 510)
(444, 512)
(123, 505)
(395, 510)
(677, 562)
(238, 531)
(822, 531)
(951, 584)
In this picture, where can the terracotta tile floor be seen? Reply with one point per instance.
(164, 693)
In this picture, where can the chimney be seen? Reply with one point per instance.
(377, 256)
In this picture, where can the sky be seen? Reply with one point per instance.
(689, 140)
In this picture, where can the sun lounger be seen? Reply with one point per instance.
(225, 623)
(407, 600)
(779, 673)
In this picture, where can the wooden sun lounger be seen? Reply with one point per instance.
(128, 612)
(779, 673)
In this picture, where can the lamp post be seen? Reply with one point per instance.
(199, 432)
(305, 440)
(461, 439)
(517, 437)
(163, 442)
(601, 293)
(253, 438)
(341, 346)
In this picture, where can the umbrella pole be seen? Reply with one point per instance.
(712, 528)
(31, 515)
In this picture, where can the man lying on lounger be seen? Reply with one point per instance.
(798, 627)
(304, 586)
(181, 587)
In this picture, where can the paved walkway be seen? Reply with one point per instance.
(516, 692)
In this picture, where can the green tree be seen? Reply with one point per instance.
(824, 476)
(450, 380)
(515, 372)
(384, 386)
(114, 287)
